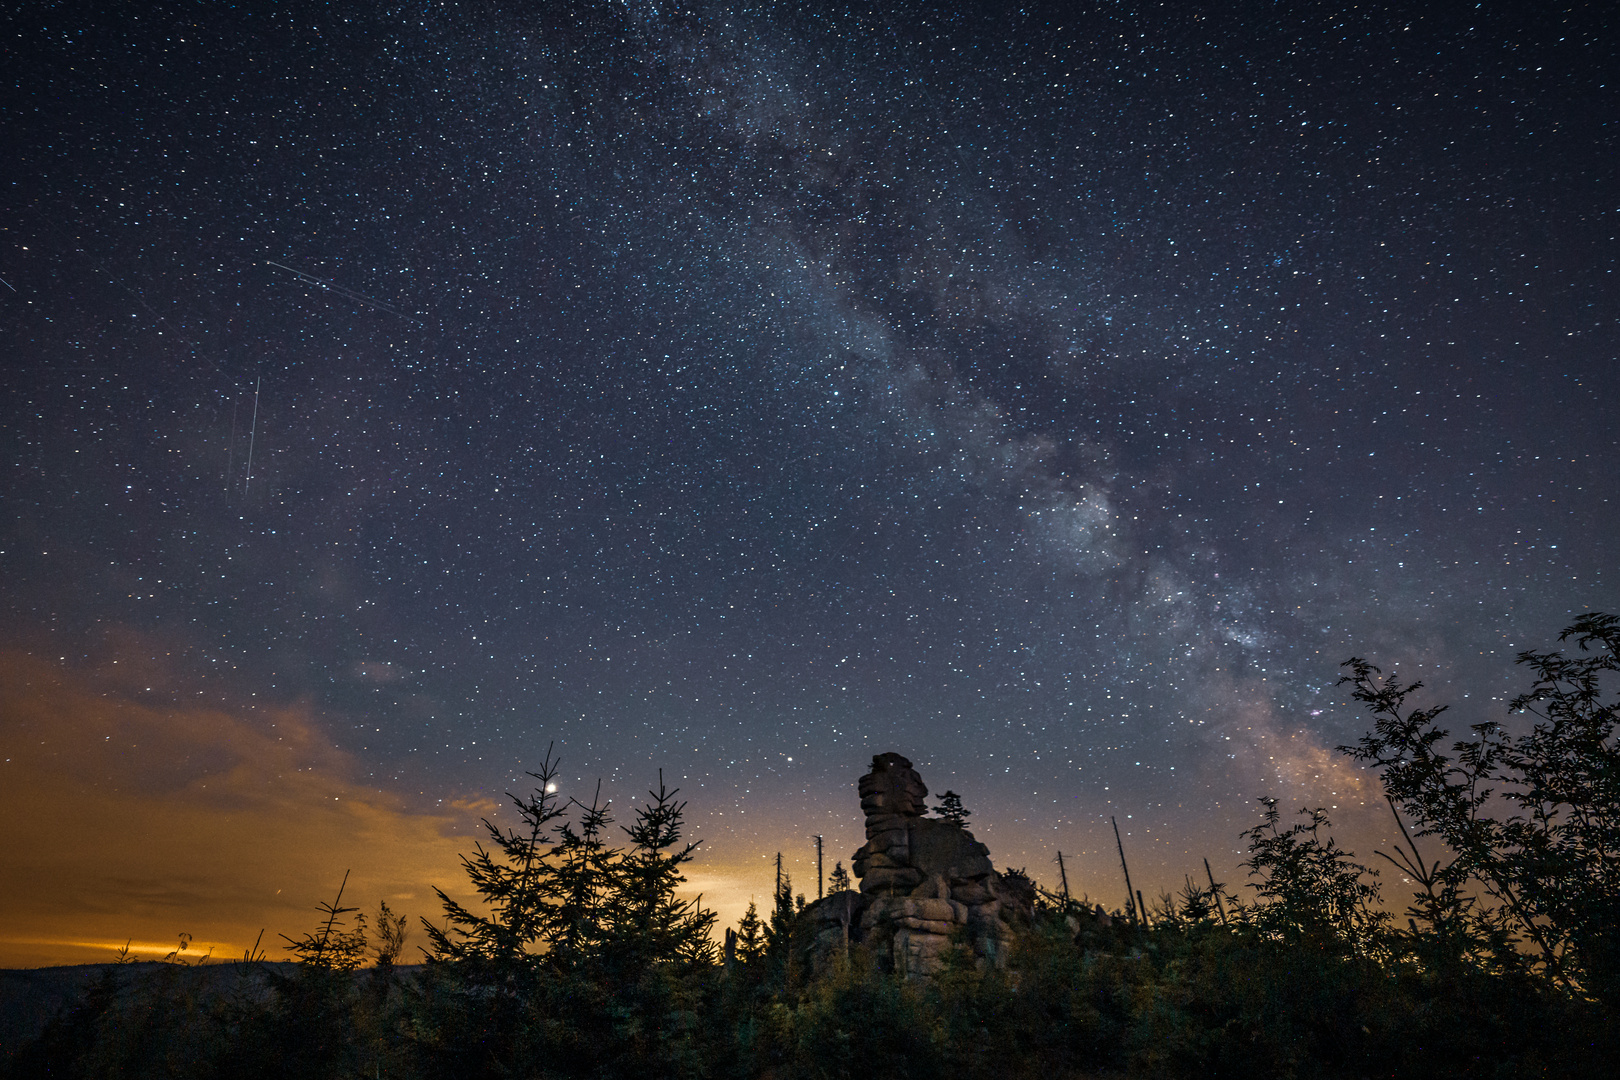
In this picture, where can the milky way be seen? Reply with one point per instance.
(1054, 397)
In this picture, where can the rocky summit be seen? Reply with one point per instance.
(926, 886)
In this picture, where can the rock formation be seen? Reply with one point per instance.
(925, 886)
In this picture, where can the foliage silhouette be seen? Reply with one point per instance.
(1313, 891)
(516, 880)
(751, 936)
(582, 961)
(950, 808)
(330, 945)
(1532, 819)
(654, 925)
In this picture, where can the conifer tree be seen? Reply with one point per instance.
(780, 930)
(653, 924)
(586, 884)
(516, 880)
(950, 808)
(839, 881)
(751, 936)
(331, 947)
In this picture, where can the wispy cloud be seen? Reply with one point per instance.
(126, 819)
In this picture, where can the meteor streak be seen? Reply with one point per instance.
(347, 294)
(253, 432)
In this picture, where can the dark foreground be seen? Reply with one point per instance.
(583, 962)
(1194, 1000)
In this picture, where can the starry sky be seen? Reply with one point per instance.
(1054, 395)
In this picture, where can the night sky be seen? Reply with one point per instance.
(1054, 396)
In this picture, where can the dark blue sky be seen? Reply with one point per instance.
(1055, 396)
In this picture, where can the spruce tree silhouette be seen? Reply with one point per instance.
(951, 809)
(516, 880)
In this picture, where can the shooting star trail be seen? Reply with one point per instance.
(347, 294)
(253, 431)
(6, 283)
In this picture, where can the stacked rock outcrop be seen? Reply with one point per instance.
(925, 885)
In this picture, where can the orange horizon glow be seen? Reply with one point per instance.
(124, 818)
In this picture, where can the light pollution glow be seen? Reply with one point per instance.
(131, 819)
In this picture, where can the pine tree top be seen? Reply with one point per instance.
(950, 809)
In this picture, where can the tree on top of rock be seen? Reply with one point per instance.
(840, 879)
(951, 809)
